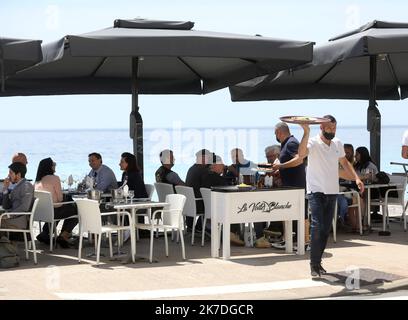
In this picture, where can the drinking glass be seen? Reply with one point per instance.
(131, 195)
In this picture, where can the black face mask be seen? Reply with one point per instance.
(328, 135)
(277, 139)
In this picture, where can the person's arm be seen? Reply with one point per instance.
(404, 152)
(350, 174)
(105, 179)
(294, 162)
(233, 170)
(25, 193)
(303, 152)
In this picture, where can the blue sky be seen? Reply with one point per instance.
(298, 20)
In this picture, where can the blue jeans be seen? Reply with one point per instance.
(322, 207)
(342, 206)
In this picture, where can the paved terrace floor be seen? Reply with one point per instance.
(381, 263)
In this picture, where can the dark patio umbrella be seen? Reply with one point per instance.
(16, 55)
(154, 57)
(369, 63)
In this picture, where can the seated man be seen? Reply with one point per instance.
(240, 165)
(19, 199)
(404, 148)
(194, 179)
(272, 154)
(17, 157)
(215, 177)
(164, 174)
(104, 178)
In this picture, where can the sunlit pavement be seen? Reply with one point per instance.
(358, 267)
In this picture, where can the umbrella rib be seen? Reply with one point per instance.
(391, 67)
(190, 68)
(98, 67)
(325, 74)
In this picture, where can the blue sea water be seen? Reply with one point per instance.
(70, 148)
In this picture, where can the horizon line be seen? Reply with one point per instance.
(169, 128)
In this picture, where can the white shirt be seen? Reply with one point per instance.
(322, 174)
(405, 138)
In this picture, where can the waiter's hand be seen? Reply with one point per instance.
(305, 126)
(276, 166)
(360, 185)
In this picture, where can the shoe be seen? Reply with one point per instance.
(262, 243)
(307, 247)
(43, 238)
(279, 245)
(234, 239)
(315, 270)
(62, 242)
(126, 236)
(272, 234)
(321, 269)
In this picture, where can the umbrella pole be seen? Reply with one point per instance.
(136, 121)
(2, 72)
(374, 116)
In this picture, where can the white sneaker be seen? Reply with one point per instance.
(279, 245)
(126, 235)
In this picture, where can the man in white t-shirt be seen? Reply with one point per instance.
(324, 153)
(404, 149)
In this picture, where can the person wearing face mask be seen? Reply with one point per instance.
(324, 153)
(291, 167)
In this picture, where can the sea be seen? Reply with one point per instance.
(70, 148)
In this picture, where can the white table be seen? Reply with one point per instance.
(137, 205)
(284, 204)
(368, 187)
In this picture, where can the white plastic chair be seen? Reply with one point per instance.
(172, 216)
(162, 190)
(190, 208)
(90, 220)
(45, 213)
(390, 199)
(149, 191)
(355, 205)
(30, 228)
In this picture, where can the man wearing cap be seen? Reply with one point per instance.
(19, 199)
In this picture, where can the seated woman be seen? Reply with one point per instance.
(46, 180)
(363, 165)
(132, 178)
(131, 175)
(363, 162)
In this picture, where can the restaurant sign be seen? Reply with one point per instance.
(263, 206)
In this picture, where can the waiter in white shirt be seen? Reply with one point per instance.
(324, 153)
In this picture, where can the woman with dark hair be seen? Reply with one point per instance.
(46, 180)
(366, 170)
(364, 162)
(132, 178)
(131, 175)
